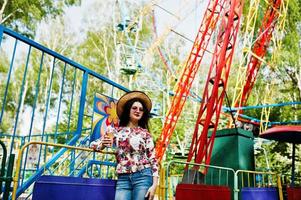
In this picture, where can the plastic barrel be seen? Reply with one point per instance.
(293, 193)
(73, 188)
(263, 193)
(199, 192)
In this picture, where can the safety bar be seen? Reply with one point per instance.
(228, 170)
(257, 179)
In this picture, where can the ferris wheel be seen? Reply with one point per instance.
(153, 59)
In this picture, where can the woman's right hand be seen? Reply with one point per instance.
(106, 141)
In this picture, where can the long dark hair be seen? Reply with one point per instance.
(125, 116)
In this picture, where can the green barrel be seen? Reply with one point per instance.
(233, 148)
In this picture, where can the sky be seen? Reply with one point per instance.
(183, 16)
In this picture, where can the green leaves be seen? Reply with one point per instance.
(24, 15)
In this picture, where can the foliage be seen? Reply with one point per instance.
(279, 157)
(288, 60)
(281, 73)
(24, 15)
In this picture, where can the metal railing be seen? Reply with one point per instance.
(59, 87)
(216, 175)
(46, 168)
(256, 179)
(286, 179)
(45, 97)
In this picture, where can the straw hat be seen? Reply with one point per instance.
(133, 95)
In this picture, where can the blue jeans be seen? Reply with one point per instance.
(133, 186)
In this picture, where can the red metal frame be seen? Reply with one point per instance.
(260, 48)
(192, 65)
(214, 92)
(209, 113)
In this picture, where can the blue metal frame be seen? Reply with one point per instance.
(269, 124)
(46, 166)
(71, 103)
(60, 103)
(7, 82)
(86, 74)
(64, 59)
(1, 34)
(48, 99)
(21, 94)
(227, 109)
(82, 103)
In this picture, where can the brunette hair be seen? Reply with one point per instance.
(125, 116)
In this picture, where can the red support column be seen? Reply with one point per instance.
(216, 84)
(192, 65)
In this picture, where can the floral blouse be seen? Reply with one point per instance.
(135, 150)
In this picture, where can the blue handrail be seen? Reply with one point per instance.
(71, 108)
(59, 56)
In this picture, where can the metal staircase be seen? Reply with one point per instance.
(39, 85)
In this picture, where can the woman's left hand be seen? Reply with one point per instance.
(151, 192)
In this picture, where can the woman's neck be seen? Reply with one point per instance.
(132, 124)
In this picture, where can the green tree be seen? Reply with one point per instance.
(289, 62)
(24, 15)
(287, 72)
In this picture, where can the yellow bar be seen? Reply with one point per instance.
(264, 182)
(249, 180)
(256, 172)
(279, 188)
(18, 167)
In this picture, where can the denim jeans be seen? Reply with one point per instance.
(133, 186)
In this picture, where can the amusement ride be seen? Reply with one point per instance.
(216, 156)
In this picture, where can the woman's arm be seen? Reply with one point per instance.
(150, 152)
(152, 190)
(155, 181)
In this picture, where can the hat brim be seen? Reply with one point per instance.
(133, 95)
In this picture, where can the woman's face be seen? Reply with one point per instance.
(136, 112)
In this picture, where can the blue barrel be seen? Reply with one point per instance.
(73, 188)
(262, 193)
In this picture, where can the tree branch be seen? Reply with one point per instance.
(8, 16)
(298, 77)
(292, 75)
(2, 9)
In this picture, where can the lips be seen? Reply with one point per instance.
(137, 114)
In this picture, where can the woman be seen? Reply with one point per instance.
(137, 167)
